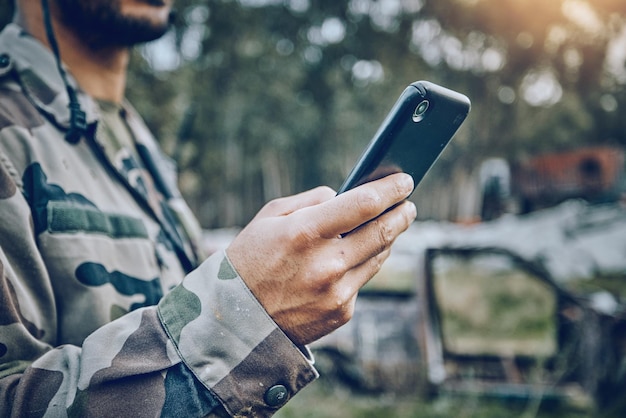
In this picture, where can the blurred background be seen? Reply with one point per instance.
(257, 99)
(266, 98)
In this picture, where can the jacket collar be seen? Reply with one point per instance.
(36, 70)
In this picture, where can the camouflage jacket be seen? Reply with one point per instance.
(98, 316)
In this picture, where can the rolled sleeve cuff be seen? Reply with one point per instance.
(230, 343)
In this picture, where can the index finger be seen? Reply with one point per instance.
(357, 206)
(286, 205)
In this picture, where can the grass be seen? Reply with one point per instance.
(327, 399)
(614, 284)
(489, 307)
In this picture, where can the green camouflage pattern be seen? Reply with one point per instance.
(105, 309)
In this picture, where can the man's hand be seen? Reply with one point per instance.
(294, 259)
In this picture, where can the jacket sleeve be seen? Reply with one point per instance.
(208, 348)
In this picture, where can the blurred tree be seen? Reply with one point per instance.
(283, 98)
(263, 98)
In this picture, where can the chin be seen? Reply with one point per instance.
(106, 23)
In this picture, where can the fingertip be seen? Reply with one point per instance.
(406, 183)
(411, 210)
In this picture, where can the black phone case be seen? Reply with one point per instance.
(408, 141)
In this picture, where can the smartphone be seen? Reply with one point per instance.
(413, 135)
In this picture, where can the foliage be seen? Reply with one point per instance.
(264, 98)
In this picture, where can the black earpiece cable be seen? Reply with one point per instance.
(78, 118)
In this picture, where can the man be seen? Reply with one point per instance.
(105, 306)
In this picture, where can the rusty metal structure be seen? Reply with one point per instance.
(592, 173)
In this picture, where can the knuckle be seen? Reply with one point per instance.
(382, 257)
(343, 317)
(325, 191)
(301, 234)
(339, 305)
(376, 262)
(274, 205)
(345, 312)
(368, 202)
(335, 269)
(324, 276)
(386, 234)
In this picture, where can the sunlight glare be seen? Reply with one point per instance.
(541, 88)
(582, 14)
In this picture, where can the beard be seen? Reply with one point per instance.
(101, 24)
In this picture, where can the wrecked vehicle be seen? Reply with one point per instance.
(522, 307)
(496, 324)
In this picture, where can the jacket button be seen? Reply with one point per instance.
(4, 60)
(276, 396)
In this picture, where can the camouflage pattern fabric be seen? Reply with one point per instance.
(103, 311)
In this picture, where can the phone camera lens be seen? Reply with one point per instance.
(420, 110)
